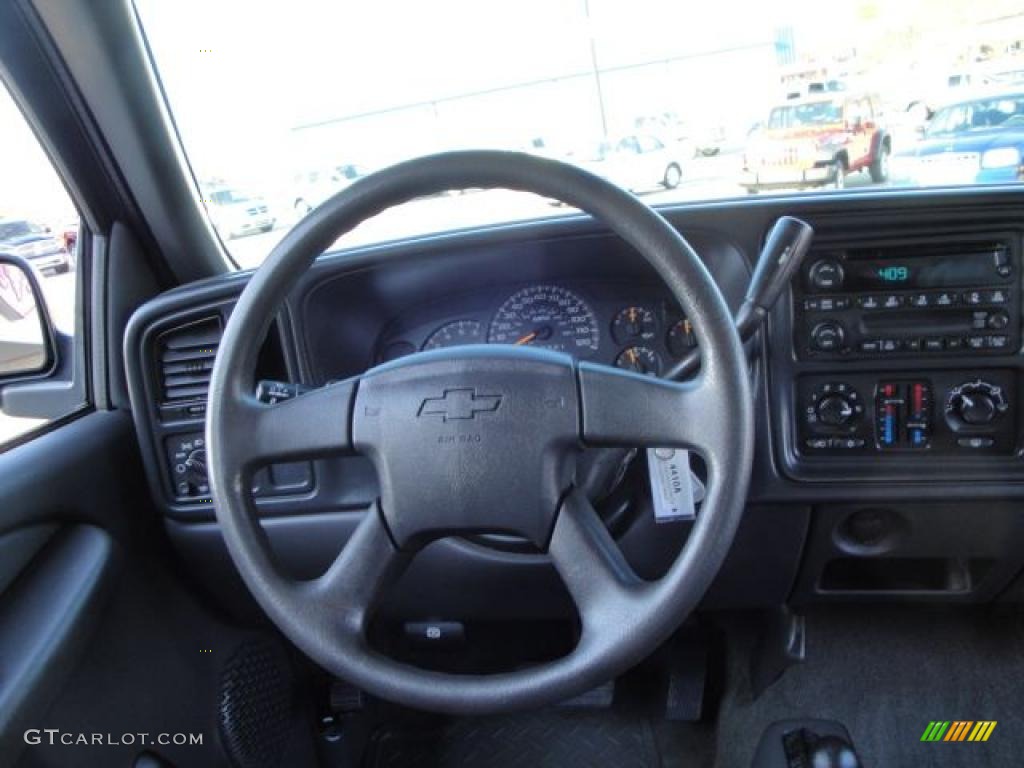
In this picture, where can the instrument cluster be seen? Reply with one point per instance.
(640, 330)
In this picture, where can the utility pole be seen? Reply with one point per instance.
(595, 69)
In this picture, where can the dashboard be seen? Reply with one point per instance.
(631, 326)
(889, 446)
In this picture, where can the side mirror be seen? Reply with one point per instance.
(27, 343)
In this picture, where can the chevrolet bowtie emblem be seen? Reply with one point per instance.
(459, 404)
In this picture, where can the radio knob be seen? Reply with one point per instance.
(827, 336)
(826, 274)
(997, 321)
(835, 411)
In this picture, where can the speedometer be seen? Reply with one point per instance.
(546, 316)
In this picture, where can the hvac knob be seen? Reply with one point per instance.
(195, 467)
(835, 411)
(975, 408)
(974, 404)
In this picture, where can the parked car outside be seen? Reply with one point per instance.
(36, 244)
(816, 140)
(235, 213)
(980, 141)
(313, 187)
(637, 162)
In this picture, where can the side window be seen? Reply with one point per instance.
(629, 145)
(854, 113)
(650, 144)
(39, 232)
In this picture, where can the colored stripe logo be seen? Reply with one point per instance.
(959, 730)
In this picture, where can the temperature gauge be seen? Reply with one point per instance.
(639, 359)
(633, 324)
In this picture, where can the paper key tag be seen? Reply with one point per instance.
(675, 490)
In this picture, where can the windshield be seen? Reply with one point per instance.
(816, 113)
(11, 229)
(295, 101)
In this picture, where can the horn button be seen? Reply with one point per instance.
(473, 440)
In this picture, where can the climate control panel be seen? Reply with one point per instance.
(949, 412)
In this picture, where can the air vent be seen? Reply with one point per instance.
(184, 360)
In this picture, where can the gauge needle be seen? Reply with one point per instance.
(526, 339)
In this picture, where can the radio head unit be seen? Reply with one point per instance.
(908, 300)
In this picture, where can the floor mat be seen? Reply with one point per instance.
(885, 674)
(547, 739)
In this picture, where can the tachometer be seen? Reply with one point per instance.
(546, 316)
(455, 334)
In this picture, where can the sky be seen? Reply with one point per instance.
(28, 186)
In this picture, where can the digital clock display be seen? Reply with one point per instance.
(893, 273)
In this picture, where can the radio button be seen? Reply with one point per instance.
(812, 305)
(999, 341)
(869, 345)
(912, 345)
(997, 296)
(892, 301)
(934, 344)
(920, 300)
(889, 345)
(868, 302)
(976, 342)
(944, 299)
(954, 343)
(974, 298)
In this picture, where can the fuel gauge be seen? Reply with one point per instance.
(640, 360)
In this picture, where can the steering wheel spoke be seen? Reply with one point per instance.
(599, 580)
(348, 590)
(623, 408)
(316, 423)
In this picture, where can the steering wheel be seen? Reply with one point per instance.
(482, 439)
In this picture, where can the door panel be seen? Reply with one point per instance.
(98, 631)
